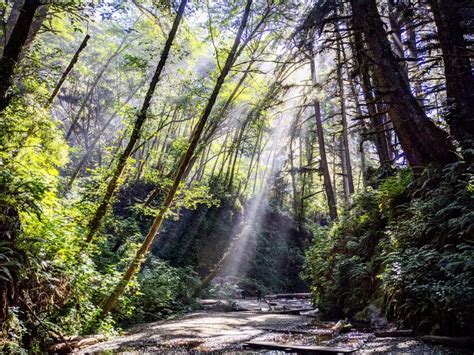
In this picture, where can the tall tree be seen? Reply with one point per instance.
(422, 141)
(457, 69)
(324, 166)
(96, 220)
(378, 132)
(68, 70)
(183, 163)
(13, 48)
(346, 161)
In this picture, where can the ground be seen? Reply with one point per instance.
(228, 331)
(202, 331)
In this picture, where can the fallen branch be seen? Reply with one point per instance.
(394, 333)
(298, 348)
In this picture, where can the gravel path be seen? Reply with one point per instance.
(214, 331)
(203, 331)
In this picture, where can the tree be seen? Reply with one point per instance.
(68, 70)
(322, 148)
(183, 163)
(422, 141)
(346, 156)
(96, 220)
(458, 71)
(13, 48)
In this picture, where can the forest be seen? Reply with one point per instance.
(155, 154)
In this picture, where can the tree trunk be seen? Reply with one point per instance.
(184, 161)
(348, 178)
(322, 149)
(422, 141)
(458, 72)
(238, 143)
(10, 22)
(12, 50)
(67, 71)
(95, 222)
(40, 17)
(378, 135)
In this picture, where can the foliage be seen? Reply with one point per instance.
(404, 247)
(162, 291)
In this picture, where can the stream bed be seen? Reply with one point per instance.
(228, 332)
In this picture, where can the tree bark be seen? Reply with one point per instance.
(322, 150)
(421, 140)
(184, 161)
(96, 220)
(13, 48)
(457, 70)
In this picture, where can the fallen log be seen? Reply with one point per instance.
(394, 333)
(90, 341)
(75, 342)
(208, 302)
(319, 332)
(300, 349)
(289, 295)
(459, 342)
(290, 311)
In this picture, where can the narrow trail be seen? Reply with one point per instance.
(202, 331)
(217, 331)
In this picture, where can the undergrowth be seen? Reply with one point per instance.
(406, 246)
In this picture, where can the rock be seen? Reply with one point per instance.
(342, 326)
(220, 306)
(312, 313)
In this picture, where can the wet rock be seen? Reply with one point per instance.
(342, 326)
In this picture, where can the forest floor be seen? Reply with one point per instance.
(211, 331)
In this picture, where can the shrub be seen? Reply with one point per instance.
(162, 291)
(406, 247)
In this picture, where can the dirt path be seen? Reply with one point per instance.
(228, 331)
(212, 330)
(203, 331)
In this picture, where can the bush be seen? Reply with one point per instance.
(162, 291)
(404, 247)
